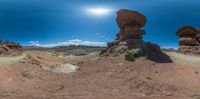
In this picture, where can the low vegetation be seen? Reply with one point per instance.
(25, 73)
(132, 54)
(148, 78)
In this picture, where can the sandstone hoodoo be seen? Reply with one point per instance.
(130, 36)
(189, 40)
(130, 23)
(188, 35)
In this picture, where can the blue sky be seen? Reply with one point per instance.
(62, 21)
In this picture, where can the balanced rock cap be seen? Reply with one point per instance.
(128, 17)
(187, 30)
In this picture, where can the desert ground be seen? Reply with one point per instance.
(46, 74)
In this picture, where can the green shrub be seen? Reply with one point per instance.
(148, 78)
(132, 54)
(26, 74)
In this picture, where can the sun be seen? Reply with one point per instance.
(99, 11)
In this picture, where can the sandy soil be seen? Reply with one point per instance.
(7, 60)
(32, 76)
(184, 58)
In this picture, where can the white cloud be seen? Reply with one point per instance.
(69, 42)
(34, 43)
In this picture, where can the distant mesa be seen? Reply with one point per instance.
(189, 40)
(130, 37)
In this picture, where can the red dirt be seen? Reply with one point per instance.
(98, 78)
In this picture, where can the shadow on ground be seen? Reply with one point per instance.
(160, 58)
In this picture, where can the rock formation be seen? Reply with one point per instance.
(189, 40)
(8, 48)
(130, 36)
(130, 23)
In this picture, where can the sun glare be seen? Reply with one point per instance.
(99, 11)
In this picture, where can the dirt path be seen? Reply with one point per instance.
(98, 77)
(7, 60)
(181, 58)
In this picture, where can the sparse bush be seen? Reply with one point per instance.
(148, 78)
(26, 74)
(132, 54)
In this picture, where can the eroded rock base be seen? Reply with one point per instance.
(191, 50)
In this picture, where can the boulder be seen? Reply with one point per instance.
(128, 17)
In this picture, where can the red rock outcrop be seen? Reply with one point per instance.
(130, 35)
(128, 17)
(8, 48)
(188, 35)
(189, 41)
(130, 23)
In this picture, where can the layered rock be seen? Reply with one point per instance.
(8, 48)
(130, 36)
(189, 41)
(188, 35)
(191, 50)
(130, 24)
